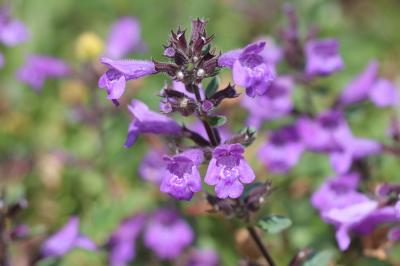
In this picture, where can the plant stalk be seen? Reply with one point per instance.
(263, 249)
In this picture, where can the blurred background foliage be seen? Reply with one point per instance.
(65, 165)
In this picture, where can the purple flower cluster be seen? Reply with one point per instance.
(164, 233)
(352, 212)
(330, 133)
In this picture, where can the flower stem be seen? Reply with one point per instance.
(261, 246)
(4, 256)
(210, 132)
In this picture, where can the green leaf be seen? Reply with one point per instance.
(320, 259)
(250, 187)
(274, 224)
(216, 121)
(212, 87)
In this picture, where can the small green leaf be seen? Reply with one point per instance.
(320, 259)
(216, 121)
(212, 87)
(250, 187)
(274, 224)
(206, 49)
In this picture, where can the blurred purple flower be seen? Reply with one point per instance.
(275, 103)
(272, 53)
(348, 217)
(338, 192)
(122, 244)
(322, 57)
(182, 178)
(38, 68)
(329, 132)
(350, 211)
(146, 121)
(283, 150)
(325, 133)
(167, 235)
(124, 37)
(228, 170)
(120, 71)
(203, 257)
(66, 239)
(360, 218)
(250, 69)
(367, 85)
(12, 31)
(383, 93)
(394, 234)
(152, 166)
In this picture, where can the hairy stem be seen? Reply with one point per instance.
(260, 245)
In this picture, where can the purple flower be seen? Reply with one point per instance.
(146, 121)
(66, 239)
(12, 31)
(325, 133)
(357, 90)
(123, 38)
(228, 170)
(152, 166)
(348, 217)
(283, 150)
(383, 93)
(360, 218)
(203, 257)
(122, 244)
(167, 235)
(350, 211)
(338, 192)
(120, 71)
(38, 68)
(275, 103)
(272, 53)
(329, 132)
(250, 69)
(322, 57)
(182, 178)
(367, 85)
